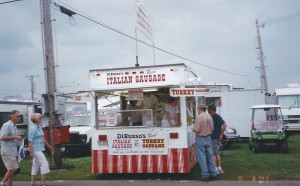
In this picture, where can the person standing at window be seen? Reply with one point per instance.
(171, 114)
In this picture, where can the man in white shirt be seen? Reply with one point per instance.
(171, 115)
(9, 146)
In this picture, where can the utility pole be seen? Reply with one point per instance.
(32, 85)
(263, 76)
(51, 80)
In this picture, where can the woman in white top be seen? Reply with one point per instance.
(171, 115)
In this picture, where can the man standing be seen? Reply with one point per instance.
(9, 146)
(217, 136)
(203, 128)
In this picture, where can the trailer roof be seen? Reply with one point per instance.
(287, 91)
(265, 106)
(125, 68)
(142, 77)
(21, 102)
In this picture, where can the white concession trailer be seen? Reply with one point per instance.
(119, 147)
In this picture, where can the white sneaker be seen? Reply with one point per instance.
(217, 171)
(2, 184)
(220, 171)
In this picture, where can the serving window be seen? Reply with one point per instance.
(137, 108)
(124, 118)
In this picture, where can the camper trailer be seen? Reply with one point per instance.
(234, 104)
(289, 100)
(26, 108)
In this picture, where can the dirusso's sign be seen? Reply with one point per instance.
(138, 143)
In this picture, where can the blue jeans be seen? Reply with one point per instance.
(205, 156)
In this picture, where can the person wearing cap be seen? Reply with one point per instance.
(203, 128)
(9, 147)
(217, 135)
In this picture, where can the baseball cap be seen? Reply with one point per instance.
(211, 106)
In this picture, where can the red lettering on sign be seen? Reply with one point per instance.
(138, 79)
(119, 80)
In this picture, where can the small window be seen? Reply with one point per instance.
(213, 100)
(4, 117)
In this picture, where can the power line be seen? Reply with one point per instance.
(14, 90)
(73, 12)
(9, 2)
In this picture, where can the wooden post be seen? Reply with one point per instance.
(51, 80)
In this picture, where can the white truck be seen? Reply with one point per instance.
(289, 100)
(234, 105)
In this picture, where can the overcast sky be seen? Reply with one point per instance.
(217, 33)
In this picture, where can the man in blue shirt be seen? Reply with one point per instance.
(217, 135)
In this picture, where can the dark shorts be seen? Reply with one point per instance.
(215, 146)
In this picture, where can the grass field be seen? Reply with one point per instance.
(239, 163)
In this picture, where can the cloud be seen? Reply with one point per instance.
(218, 33)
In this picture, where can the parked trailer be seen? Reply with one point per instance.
(234, 105)
(120, 147)
(289, 100)
(26, 109)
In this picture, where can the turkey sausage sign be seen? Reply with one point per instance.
(179, 92)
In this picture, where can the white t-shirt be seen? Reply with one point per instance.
(172, 111)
